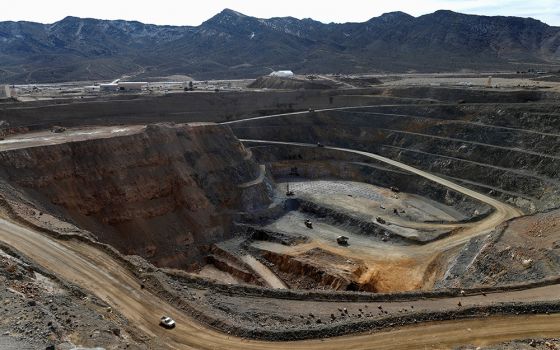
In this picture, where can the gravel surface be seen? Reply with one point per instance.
(38, 311)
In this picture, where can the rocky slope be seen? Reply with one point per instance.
(268, 82)
(43, 312)
(90, 49)
(509, 150)
(163, 193)
(523, 250)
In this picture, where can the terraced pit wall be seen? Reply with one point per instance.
(165, 193)
(319, 163)
(201, 106)
(178, 107)
(510, 151)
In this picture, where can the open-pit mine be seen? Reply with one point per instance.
(386, 217)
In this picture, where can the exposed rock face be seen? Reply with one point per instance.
(510, 151)
(317, 265)
(162, 193)
(268, 82)
(526, 249)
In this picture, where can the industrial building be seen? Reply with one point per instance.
(7, 92)
(112, 87)
(132, 85)
(123, 86)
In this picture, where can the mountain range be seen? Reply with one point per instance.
(233, 45)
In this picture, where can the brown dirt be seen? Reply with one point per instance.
(93, 269)
(383, 268)
(162, 192)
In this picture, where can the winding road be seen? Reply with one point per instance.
(99, 273)
(502, 212)
(103, 276)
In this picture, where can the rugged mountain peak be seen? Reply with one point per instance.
(456, 16)
(66, 21)
(70, 19)
(446, 13)
(227, 16)
(227, 19)
(230, 12)
(394, 16)
(394, 41)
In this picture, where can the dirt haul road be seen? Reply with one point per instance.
(301, 113)
(403, 268)
(264, 272)
(100, 274)
(103, 276)
(502, 212)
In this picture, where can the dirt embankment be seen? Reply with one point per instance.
(163, 193)
(509, 151)
(225, 106)
(468, 95)
(181, 107)
(524, 250)
(268, 82)
(41, 311)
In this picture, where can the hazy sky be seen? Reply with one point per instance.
(192, 12)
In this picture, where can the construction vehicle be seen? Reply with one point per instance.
(58, 129)
(319, 144)
(289, 193)
(342, 240)
(394, 189)
(308, 223)
(380, 220)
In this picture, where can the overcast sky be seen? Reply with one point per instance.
(192, 12)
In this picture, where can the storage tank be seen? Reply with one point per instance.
(282, 74)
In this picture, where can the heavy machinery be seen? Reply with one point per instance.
(342, 240)
(308, 223)
(58, 129)
(289, 193)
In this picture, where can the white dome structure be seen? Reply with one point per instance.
(282, 74)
